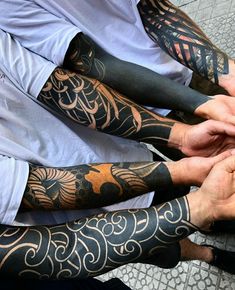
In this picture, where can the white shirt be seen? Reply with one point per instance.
(29, 133)
(113, 24)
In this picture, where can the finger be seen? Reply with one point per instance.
(222, 156)
(228, 164)
(227, 212)
(230, 120)
(217, 127)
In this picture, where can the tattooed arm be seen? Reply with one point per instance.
(97, 185)
(95, 245)
(90, 103)
(136, 82)
(147, 87)
(98, 244)
(181, 38)
(92, 185)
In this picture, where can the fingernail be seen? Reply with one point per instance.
(232, 152)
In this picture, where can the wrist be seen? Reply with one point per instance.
(201, 213)
(177, 135)
(180, 172)
(203, 110)
(226, 79)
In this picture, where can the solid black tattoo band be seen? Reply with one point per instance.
(180, 37)
(94, 245)
(136, 82)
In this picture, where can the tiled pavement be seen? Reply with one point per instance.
(217, 18)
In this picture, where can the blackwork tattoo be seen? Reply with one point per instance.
(85, 56)
(90, 103)
(134, 81)
(92, 185)
(180, 37)
(94, 245)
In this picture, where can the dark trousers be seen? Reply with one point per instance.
(86, 284)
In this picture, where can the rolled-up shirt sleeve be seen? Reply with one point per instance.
(13, 175)
(26, 68)
(37, 29)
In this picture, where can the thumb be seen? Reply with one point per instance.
(228, 164)
(230, 120)
(222, 156)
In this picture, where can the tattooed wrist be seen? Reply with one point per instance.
(182, 39)
(93, 245)
(92, 185)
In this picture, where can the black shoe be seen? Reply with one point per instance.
(224, 260)
(223, 227)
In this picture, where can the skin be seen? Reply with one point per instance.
(97, 244)
(183, 40)
(92, 185)
(94, 245)
(90, 103)
(180, 37)
(148, 88)
(220, 107)
(97, 185)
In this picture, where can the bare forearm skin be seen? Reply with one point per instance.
(93, 245)
(135, 82)
(182, 39)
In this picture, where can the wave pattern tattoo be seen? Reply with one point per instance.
(94, 245)
(180, 37)
(91, 185)
(90, 103)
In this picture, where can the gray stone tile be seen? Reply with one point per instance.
(204, 14)
(221, 9)
(199, 279)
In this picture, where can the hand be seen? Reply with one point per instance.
(228, 81)
(220, 108)
(206, 139)
(215, 200)
(219, 188)
(194, 170)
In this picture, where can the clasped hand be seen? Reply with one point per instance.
(206, 139)
(219, 107)
(218, 190)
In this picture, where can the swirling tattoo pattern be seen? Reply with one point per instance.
(94, 245)
(92, 104)
(91, 185)
(180, 37)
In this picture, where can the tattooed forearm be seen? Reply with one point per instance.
(180, 37)
(90, 103)
(87, 58)
(93, 245)
(136, 82)
(92, 185)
